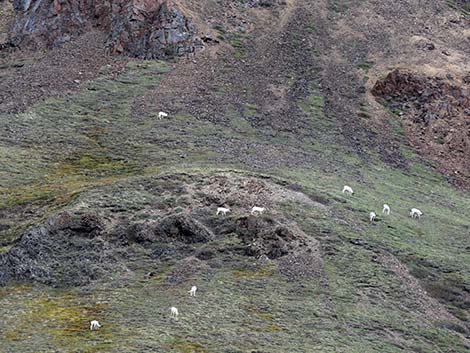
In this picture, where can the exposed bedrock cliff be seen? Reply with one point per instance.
(140, 28)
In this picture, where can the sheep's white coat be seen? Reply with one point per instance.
(372, 216)
(348, 189)
(174, 312)
(259, 210)
(222, 210)
(415, 213)
(94, 325)
(162, 115)
(192, 292)
(386, 209)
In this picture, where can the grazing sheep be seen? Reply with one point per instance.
(386, 209)
(348, 189)
(223, 210)
(174, 312)
(259, 210)
(162, 115)
(192, 292)
(94, 325)
(372, 216)
(415, 213)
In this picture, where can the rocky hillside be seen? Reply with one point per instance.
(109, 213)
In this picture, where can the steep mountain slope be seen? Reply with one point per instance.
(113, 210)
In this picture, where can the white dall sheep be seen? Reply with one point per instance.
(415, 213)
(94, 325)
(192, 292)
(222, 210)
(174, 312)
(372, 216)
(162, 115)
(386, 209)
(259, 210)
(348, 189)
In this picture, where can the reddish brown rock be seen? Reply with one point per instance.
(437, 117)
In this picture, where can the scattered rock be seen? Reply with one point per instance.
(263, 3)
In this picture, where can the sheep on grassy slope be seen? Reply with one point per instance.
(348, 189)
(415, 213)
(174, 312)
(162, 115)
(94, 325)
(372, 216)
(386, 209)
(192, 291)
(222, 210)
(259, 210)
